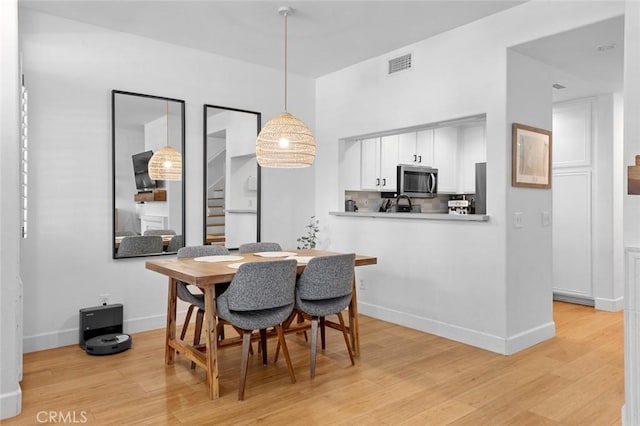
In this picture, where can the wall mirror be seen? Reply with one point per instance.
(142, 207)
(231, 176)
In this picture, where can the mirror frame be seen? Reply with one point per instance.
(204, 170)
(113, 167)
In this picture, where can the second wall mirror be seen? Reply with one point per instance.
(148, 214)
(231, 176)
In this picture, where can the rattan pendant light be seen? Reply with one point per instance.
(166, 163)
(285, 141)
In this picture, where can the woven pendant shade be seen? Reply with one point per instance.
(165, 164)
(285, 142)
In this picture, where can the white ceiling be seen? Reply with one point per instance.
(325, 36)
(577, 62)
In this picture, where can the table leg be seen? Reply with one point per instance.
(211, 339)
(170, 335)
(353, 319)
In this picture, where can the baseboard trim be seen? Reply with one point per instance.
(56, 339)
(464, 335)
(611, 305)
(530, 338)
(572, 298)
(10, 403)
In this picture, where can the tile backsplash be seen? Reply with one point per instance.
(371, 200)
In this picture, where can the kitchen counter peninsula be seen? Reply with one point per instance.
(418, 216)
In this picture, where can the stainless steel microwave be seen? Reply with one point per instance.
(417, 181)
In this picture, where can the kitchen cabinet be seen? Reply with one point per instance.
(379, 158)
(445, 156)
(416, 148)
(349, 158)
(472, 150)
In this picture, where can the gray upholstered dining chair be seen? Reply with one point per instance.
(196, 300)
(259, 247)
(139, 245)
(261, 295)
(324, 288)
(159, 232)
(175, 243)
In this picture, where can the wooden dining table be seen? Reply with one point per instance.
(206, 275)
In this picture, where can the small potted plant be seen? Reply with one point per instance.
(309, 241)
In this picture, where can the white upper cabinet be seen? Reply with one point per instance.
(572, 135)
(424, 147)
(416, 148)
(378, 165)
(388, 163)
(445, 156)
(407, 148)
(472, 150)
(370, 165)
(349, 157)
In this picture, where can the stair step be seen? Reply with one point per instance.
(215, 215)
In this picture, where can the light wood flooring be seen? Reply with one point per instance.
(402, 377)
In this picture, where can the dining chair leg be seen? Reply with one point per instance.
(263, 345)
(301, 320)
(322, 337)
(187, 318)
(244, 362)
(285, 352)
(346, 337)
(197, 332)
(314, 344)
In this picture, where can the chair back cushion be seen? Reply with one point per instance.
(139, 245)
(327, 277)
(175, 243)
(262, 285)
(196, 251)
(259, 247)
(199, 251)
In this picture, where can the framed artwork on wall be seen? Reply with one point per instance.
(531, 157)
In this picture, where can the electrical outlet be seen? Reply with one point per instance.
(365, 202)
(362, 285)
(104, 299)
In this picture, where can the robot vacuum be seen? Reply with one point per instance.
(108, 344)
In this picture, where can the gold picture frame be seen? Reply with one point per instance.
(531, 157)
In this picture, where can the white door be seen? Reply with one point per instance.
(572, 233)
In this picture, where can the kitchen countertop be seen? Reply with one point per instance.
(421, 216)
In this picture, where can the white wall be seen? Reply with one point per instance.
(450, 279)
(529, 248)
(10, 287)
(70, 70)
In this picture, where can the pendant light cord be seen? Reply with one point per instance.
(285, 61)
(167, 123)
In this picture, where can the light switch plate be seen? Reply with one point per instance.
(546, 218)
(517, 220)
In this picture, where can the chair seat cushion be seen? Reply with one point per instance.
(324, 307)
(254, 320)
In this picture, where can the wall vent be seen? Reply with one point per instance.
(400, 63)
